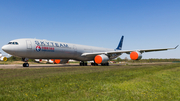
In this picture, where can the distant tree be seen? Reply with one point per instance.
(31, 60)
(14, 58)
(125, 59)
(118, 59)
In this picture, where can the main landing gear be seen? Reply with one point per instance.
(26, 64)
(82, 63)
(94, 64)
(102, 64)
(105, 64)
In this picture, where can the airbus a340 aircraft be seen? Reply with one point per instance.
(61, 52)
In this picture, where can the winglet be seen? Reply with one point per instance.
(119, 47)
(176, 46)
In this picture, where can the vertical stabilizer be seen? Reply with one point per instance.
(119, 47)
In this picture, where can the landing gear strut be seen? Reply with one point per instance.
(26, 64)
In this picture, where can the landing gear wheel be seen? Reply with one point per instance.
(94, 64)
(104, 64)
(25, 64)
(82, 63)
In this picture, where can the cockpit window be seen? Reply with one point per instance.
(10, 43)
(14, 43)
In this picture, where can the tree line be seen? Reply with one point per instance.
(14, 58)
(146, 60)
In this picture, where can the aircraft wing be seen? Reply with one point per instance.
(127, 51)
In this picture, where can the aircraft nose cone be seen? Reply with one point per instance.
(6, 48)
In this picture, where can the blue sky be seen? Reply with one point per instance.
(146, 24)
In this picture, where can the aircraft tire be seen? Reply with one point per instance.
(92, 64)
(105, 64)
(81, 64)
(25, 64)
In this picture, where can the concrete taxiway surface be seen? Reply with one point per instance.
(16, 66)
(19, 66)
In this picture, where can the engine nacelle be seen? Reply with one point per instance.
(101, 59)
(3, 58)
(135, 55)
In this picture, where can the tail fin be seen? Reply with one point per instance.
(119, 47)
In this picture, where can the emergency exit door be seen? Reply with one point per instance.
(29, 44)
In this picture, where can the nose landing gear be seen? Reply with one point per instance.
(26, 64)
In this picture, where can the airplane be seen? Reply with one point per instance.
(61, 52)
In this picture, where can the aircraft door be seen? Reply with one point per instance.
(29, 44)
(75, 50)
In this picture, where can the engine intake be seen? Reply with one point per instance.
(135, 55)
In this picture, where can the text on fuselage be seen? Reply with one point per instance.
(44, 43)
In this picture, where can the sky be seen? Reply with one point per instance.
(145, 24)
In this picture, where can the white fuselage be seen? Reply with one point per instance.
(44, 49)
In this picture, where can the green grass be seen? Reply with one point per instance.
(115, 83)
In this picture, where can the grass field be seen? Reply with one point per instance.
(116, 83)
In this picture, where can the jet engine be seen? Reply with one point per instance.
(3, 58)
(135, 55)
(99, 59)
